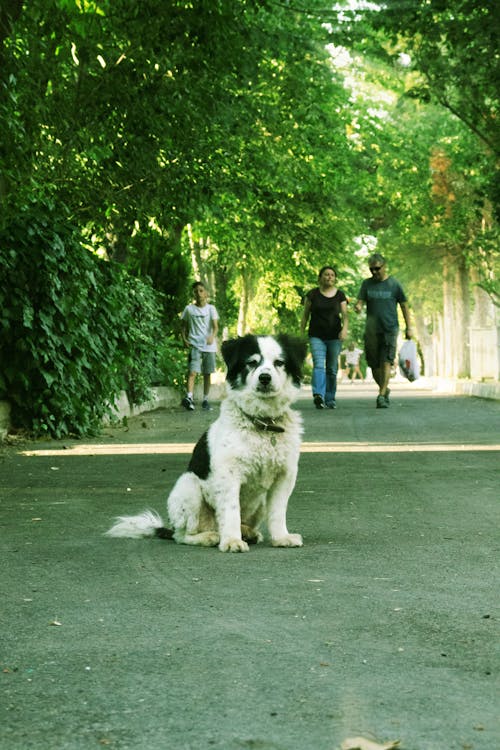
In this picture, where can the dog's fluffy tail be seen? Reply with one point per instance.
(145, 524)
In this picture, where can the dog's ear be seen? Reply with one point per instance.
(295, 353)
(229, 350)
(235, 353)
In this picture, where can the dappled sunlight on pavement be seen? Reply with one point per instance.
(319, 447)
(418, 421)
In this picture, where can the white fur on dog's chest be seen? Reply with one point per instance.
(255, 451)
(267, 456)
(251, 460)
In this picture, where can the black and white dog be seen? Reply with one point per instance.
(243, 469)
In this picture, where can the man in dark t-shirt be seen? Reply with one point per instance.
(382, 294)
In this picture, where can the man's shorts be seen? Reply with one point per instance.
(203, 362)
(380, 348)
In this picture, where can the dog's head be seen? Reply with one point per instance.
(265, 367)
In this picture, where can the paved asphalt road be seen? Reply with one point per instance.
(384, 625)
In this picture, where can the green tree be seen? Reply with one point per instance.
(434, 160)
(176, 113)
(74, 330)
(129, 123)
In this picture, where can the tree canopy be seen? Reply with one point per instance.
(247, 143)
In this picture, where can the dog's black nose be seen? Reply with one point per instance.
(264, 378)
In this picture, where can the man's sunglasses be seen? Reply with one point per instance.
(375, 268)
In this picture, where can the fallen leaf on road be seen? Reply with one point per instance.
(360, 743)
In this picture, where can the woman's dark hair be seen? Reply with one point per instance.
(326, 268)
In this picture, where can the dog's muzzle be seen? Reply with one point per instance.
(265, 382)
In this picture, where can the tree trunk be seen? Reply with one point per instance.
(426, 343)
(455, 317)
(463, 318)
(447, 327)
(202, 271)
(247, 294)
(196, 259)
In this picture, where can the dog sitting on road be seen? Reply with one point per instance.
(243, 469)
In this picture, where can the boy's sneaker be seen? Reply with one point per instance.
(382, 402)
(331, 405)
(187, 403)
(387, 396)
(318, 401)
(205, 405)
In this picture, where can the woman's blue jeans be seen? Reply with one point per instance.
(325, 355)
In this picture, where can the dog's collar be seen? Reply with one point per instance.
(267, 424)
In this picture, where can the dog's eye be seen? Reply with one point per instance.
(279, 363)
(253, 361)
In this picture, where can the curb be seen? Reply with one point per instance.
(164, 397)
(489, 390)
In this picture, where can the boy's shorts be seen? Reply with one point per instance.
(380, 348)
(203, 362)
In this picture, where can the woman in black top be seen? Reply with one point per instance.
(325, 309)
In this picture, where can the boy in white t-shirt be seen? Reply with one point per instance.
(199, 326)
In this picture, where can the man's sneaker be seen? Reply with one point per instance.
(382, 402)
(187, 403)
(387, 396)
(318, 401)
(331, 405)
(205, 405)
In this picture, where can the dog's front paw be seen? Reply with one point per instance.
(250, 535)
(290, 540)
(233, 545)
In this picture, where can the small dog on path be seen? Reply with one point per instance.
(243, 469)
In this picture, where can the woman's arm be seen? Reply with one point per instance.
(345, 323)
(306, 315)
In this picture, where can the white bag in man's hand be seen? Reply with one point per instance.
(409, 365)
